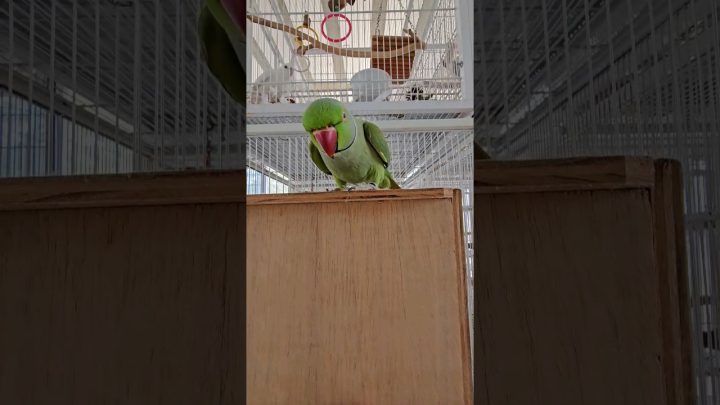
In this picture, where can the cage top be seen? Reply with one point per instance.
(355, 50)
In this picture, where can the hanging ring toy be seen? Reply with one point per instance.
(301, 42)
(338, 15)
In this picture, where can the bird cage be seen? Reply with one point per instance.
(300, 50)
(402, 64)
(398, 67)
(110, 86)
(561, 79)
(387, 61)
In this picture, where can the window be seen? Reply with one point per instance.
(259, 183)
(29, 147)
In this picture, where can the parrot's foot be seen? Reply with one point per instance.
(350, 188)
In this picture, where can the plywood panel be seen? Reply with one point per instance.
(580, 283)
(357, 298)
(122, 301)
(565, 300)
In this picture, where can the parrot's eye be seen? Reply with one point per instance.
(344, 115)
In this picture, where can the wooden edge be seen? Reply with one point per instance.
(673, 282)
(351, 196)
(463, 294)
(681, 264)
(559, 187)
(563, 174)
(686, 343)
(122, 190)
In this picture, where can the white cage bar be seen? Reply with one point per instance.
(115, 86)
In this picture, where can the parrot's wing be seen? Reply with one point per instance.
(317, 159)
(230, 14)
(376, 139)
(220, 54)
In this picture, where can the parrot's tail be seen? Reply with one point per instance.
(393, 184)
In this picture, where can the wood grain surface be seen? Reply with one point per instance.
(580, 283)
(584, 173)
(357, 302)
(141, 304)
(138, 189)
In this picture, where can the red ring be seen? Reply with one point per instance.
(340, 15)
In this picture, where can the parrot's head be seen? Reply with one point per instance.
(330, 125)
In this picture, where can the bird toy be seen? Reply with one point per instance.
(305, 26)
(337, 15)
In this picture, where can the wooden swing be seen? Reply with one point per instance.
(400, 66)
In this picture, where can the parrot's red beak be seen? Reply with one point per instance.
(327, 138)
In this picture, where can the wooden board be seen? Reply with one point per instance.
(580, 283)
(122, 289)
(357, 298)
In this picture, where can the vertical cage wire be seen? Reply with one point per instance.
(561, 78)
(109, 87)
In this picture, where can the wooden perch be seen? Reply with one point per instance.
(315, 44)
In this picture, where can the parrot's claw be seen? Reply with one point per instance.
(350, 188)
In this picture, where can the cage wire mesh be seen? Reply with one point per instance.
(109, 86)
(287, 68)
(561, 78)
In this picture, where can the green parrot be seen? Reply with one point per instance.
(350, 149)
(221, 30)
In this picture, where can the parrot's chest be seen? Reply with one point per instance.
(351, 165)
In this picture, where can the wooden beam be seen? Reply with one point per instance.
(121, 191)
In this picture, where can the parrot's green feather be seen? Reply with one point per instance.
(317, 159)
(321, 113)
(220, 53)
(234, 33)
(393, 184)
(376, 139)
